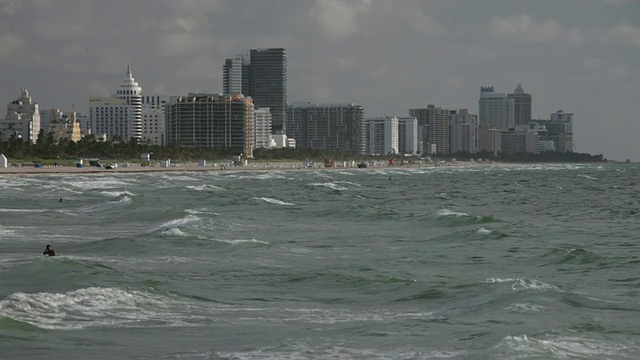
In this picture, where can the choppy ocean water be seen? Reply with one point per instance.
(495, 262)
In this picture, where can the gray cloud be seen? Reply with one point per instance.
(386, 55)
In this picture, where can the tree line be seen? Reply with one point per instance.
(48, 148)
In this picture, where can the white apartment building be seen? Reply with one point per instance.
(381, 135)
(262, 128)
(154, 119)
(408, 135)
(22, 119)
(111, 116)
(120, 115)
(464, 132)
(496, 109)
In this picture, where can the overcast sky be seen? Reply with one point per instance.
(581, 56)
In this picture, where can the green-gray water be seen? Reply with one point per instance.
(521, 261)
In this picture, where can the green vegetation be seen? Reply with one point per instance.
(66, 152)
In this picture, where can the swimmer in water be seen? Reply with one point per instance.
(49, 251)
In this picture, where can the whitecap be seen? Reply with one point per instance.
(242, 241)
(204, 187)
(275, 201)
(173, 232)
(176, 223)
(332, 186)
(519, 284)
(565, 347)
(446, 212)
(117, 193)
(587, 177)
(106, 206)
(483, 231)
(525, 308)
(90, 307)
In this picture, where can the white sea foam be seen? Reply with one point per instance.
(204, 187)
(565, 347)
(525, 308)
(519, 284)
(299, 352)
(587, 177)
(200, 211)
(483, 231)
(90, 307)
(106, 206)
(95, 182)
(443, 196)
(117, 193)
(176, 223)
(22, 210)
(446, 213)
(173, 232)
(243, 241)
(330, 185)
(275, 201)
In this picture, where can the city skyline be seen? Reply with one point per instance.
(579, 56)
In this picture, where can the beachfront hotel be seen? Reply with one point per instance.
(381, 134)
(119, 115)
(408, 135)
(212, 121)
(464, 132)
(22, 119)
(495, 109)
(334, 127)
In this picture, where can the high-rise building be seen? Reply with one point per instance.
(381, 134)
(121, 115)
(521, 106)
(464, 132)
(22, 119)
(438, 133)
(153, 119)
(262, 137)
(232, 74)
(422, 114)
(495, 109)
(335, 127)
(212, 121)
(408, 135)
(559, 129)
(263, 76)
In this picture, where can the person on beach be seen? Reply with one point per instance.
(49, 251)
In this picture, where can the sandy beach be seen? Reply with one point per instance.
(193, 167)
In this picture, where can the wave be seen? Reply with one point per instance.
(200, 211)
(275, 201)
(564, 347)
(483, 231)
(299, 351)
(587, 177)
(176, 223)
(6, 210)
(204, 187)
(461, 218)
(91, 307)
(106, 206)
(174, 232)
(117, 193)
(330, 185)
(520, 284)
(250, 242)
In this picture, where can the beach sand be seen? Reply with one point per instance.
(193, 167)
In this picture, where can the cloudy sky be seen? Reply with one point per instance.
(581, 56)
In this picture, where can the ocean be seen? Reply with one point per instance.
(536, 261)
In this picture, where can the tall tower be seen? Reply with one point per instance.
(264, 78)
(521, 106)
(232, 74)
(131, 91)
(495, 108)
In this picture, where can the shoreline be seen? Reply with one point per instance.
(191, 167)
